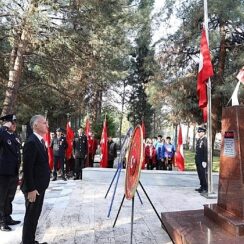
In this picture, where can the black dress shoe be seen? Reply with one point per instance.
(5, 228)
(198, 189)
(54, 179)
(76, 178)
(203, 191)
(13, 222)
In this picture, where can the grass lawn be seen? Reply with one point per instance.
(190, 161)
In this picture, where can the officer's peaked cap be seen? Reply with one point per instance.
(59, 130)
(8, 118)
(201, 129)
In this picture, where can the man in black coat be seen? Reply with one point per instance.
(9, 170)
(201, 157)
(59, 145)
(112, 152)
(80, 148)
(36, 177)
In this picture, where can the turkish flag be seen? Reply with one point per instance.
(240, 75)
(179, 157)
(143, 129)
(87, 128)
(47, 140)
(104, 146)
(69, 139)
(205, 71)
(89, 141)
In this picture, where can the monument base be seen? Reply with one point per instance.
(225, 219)
(192, 227)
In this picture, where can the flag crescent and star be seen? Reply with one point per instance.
(134, 163)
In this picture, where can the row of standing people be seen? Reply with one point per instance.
(81, 154)
(159, 153)
(36, 170)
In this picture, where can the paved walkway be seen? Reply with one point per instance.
(76, 211)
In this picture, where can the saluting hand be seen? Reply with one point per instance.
(32, 195)
(8, 124)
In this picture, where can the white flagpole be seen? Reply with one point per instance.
(209, 122)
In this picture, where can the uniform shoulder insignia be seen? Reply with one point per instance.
(17, 139)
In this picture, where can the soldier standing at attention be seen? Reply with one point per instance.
(9, 170)
(59, 145)
(80, 147)
(201, 159)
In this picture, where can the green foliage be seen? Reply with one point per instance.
(143, 70)
(190, 161)
(179, 55)
(111, 124)
(75, 51)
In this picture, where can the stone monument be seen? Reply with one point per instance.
(222, 222)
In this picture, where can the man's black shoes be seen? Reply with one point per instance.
(203, 191)
(54, 179)
(12, 222)
(5, 227)
(37, 242)
(198, 189)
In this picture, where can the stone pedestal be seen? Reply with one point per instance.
(227, 216)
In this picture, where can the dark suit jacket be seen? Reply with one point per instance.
(59, 146)
(9, 153)
(35, 166)
(80, 146)
(201, 150)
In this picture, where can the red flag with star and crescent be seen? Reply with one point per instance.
(104, 146)
(205, 71)
(179, 157)
(47, 140)
(69, 138)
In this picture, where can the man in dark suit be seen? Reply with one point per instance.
(36, 177)
(112, 152)
(201, 157)
(59, 145)
(80, 148)
(9, 169)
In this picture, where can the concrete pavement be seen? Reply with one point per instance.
(76, 211)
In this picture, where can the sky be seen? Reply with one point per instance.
(162, 30)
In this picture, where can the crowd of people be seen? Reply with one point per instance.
(159, 153)
(83, 152)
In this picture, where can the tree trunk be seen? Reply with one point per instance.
(9, 103)
(175, 141)
(194, 138)
(98, 106)
(16, 65)
(187, 136)
(122, 113)
(217, 104)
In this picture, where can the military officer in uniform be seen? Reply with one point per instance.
(59, 145)
(201, 159)
(80, 148)
(9, 169)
